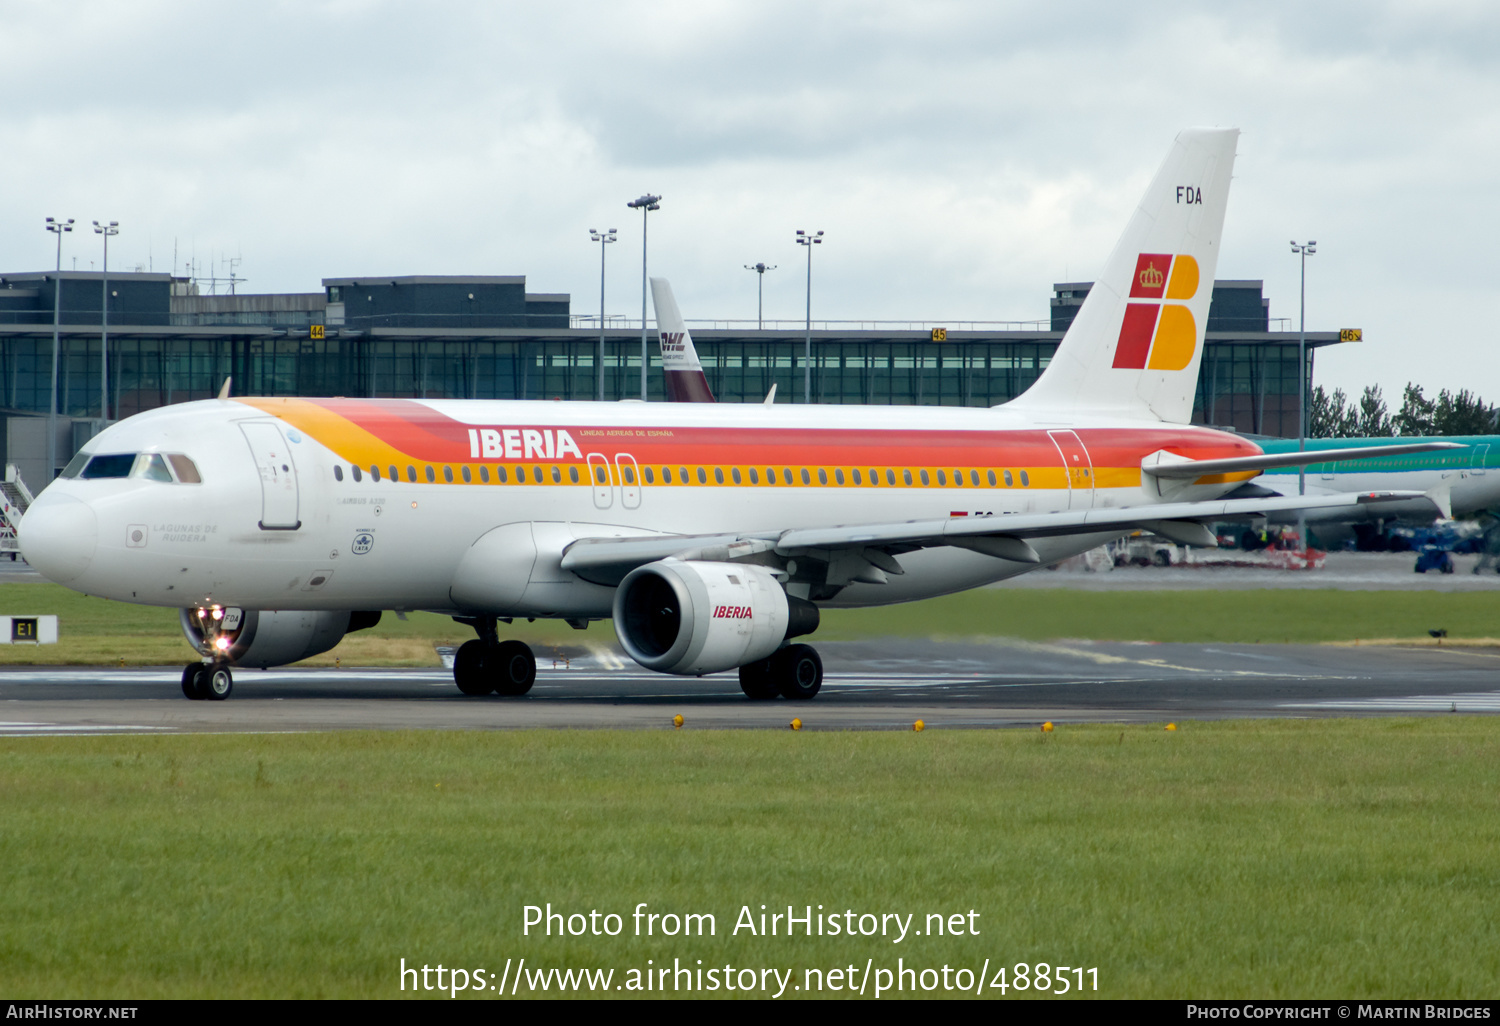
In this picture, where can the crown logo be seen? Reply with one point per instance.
(1151, 278)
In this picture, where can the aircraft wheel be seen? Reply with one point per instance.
(511, 667)
(468, 669)
(799, 671)
(758, 681)
(216, 682)
(190, 682)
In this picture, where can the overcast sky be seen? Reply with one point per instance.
(962, 157)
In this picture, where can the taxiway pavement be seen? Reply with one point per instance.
(867, 686)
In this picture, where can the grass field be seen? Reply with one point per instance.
(96, 631)
(1248, 859)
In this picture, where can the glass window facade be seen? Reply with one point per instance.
(1251, 386)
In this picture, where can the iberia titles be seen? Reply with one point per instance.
(522, 444)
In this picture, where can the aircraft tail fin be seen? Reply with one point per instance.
(1134, 348)
(679, 360)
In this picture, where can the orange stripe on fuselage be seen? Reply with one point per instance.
(385, 431)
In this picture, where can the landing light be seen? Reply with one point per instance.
(222, 644)
(218, 613)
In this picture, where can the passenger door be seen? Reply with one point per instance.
(278, 476)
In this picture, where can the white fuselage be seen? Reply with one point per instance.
(309, 535)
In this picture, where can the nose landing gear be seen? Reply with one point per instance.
(488, 664)
(202, 681)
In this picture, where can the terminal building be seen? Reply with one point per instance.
(487, 337)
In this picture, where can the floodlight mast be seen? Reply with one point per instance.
(1303, 250)
(645, 204)
(603, 238)
(804, 239)
(58, 227)
(760, 292)
(106, 230)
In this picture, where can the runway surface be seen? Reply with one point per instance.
(867, 685)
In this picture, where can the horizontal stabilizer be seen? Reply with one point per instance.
(1167, 464)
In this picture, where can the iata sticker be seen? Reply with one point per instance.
(364, 541)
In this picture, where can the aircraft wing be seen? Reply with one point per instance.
(953, 530)
(1166, 464)
(608, 560)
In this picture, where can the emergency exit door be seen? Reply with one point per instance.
(1080, 470)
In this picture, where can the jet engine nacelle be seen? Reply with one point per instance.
(263, 637)
(691, 617)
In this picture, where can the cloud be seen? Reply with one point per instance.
(962, 157)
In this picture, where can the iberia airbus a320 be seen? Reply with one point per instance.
(710, 534)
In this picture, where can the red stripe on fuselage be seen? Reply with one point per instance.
(430, 436)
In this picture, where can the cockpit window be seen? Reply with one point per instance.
(115, 465)
(75, 464)
(152, 467)
(187, 470)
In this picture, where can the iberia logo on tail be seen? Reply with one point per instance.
(1158, 335)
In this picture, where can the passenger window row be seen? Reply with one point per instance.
(923, 477)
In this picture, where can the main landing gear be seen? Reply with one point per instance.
(794, 672)
(488, 664)
(211, 681)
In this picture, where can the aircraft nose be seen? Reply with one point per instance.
(58, 536)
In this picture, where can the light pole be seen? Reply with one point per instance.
(58, 228)
(603, 238)
(646, 204)
(1304, 251)
(804, 239)
(760, 291)
(106, 230)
